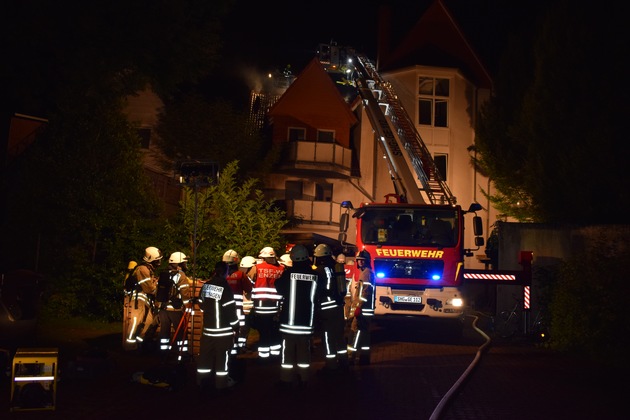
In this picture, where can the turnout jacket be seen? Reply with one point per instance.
(216, 300)
(297, 286)
(331, 285)
(264, 294)
(147, 282)
(363, 293)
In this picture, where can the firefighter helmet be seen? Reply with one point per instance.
(363, 255)
(248, 262)
(177, 258)
(231, 257)
(299, 253)
(285, 260)
(267, 252)
(322, 250)
(341, 258)
(152, 254)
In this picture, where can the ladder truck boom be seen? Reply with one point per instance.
(398, 133)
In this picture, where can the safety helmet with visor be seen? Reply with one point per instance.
(177, 258)
(248, 262)
(285, 260)
(267, 252)
(152, 254)
(322, 250)
(231, 257)
(299, 253)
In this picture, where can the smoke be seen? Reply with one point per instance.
(274, 83)
(254, 79)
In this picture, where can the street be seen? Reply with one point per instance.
(413, 368)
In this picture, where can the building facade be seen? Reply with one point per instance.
(330, 153)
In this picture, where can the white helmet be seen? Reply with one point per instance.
(267, 252)
(231, 257)
(152, 254)
(248, 262)
(286, 260)
(178, 258)
(299, 253)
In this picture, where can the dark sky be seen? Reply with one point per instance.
(259, 38)
(289, 32)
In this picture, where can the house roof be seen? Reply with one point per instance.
(437, 41)
(312, 96)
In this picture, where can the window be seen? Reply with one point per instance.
(323, 192)
(145, 137)
(297, 134)
(325, 136)
(441, 161)
(433, 94)
(293, 190)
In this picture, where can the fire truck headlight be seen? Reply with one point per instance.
(380, 274)
(435, 277)
(458, 302)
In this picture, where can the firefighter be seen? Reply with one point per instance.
(242, 288)
(362, 310)
(128, 303)
(142, 324)
(266, 301)
(331, 292)
(297, 287)
(171, 311)
(247, 266)
(220, 324)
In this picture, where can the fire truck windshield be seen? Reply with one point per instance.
(410, 227)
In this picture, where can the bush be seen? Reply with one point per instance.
(588, 308)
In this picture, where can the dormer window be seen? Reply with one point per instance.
(297, 134)
(325, 136)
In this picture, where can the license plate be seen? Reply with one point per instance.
(408, 299)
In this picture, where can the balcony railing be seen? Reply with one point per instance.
(319, 212)
(318, 156)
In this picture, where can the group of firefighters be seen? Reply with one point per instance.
(286, 299)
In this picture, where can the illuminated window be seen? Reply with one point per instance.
(441, 162)
(297, 134)
(433, 95)
(325, 136)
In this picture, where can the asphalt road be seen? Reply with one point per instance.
(416, 372)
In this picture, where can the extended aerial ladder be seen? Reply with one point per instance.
(397, 132)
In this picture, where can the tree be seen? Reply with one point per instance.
(78, 206)
(190, 126)
(230, 216)
(550, 135)
(78, 203)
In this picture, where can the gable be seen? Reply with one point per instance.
(313, 98)
(436, 40)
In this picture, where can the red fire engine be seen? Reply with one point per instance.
(416, 236)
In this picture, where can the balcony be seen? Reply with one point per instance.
(315, 212)
(327, 160)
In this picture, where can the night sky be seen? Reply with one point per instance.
(291, 31)
(261, 38)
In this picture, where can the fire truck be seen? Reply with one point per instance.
(416, 235)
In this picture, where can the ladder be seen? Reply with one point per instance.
(423, 164)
